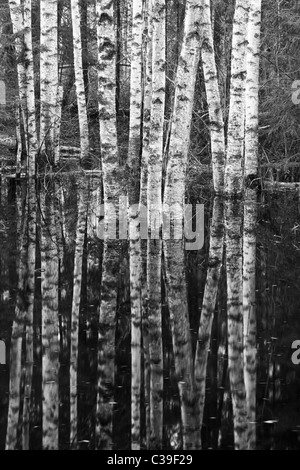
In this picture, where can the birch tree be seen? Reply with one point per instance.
(48, 73)
(154, 200)
(106, 34)
(21, 21)
(213, 97)
(79, 80)
(133, 171)
(174, 198)
(236, 118)
(147, 51)
(252, 89)
(250, 214)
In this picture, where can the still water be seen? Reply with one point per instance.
(66, 374)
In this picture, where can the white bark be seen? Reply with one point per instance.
(235, 131)
(174, 196)
(252, 89)
(154, 200)
(213, 97)
(48, 72)
(134, 235)
(79, 81)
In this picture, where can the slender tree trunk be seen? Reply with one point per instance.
(234, 270)
(235, 132)
(133, 172)
(155, 222)
(215, 260)
(250, 215)
(107, 44)
(147, 84)
(16, 14)
(174, 200)
(50, 321)
(48, 73)
(213, 97)
(79, 81)
(77, 282)
(31, 130)
(252, 89)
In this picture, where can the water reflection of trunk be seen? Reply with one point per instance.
(50, 342)
(233, 223)
(249, 311)
(181, 339)
(77, 282)
(209, 300)
(30, 291)
(17, 330)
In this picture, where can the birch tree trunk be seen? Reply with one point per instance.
(213, 97)
(215, 261)
(252, 89)
(50, 342)
(154, 200)
(235, 131)
(31, 129)
(174, 200)
(48, 73)
(250, 215)
(234, 270)
(79, 81)
(107, 42)
(133, 171)
(77, 282)
(16, 15)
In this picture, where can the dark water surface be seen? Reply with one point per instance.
(277, 311)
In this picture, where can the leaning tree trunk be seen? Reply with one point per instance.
(174, 201)
(50, 322)
(133, 172)
(48, 74)
(235, 131)
(79, 81)
(213, 97)
(250, 215)
(234, 270)
(154, 201)
(215, 261)
(106, 34)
